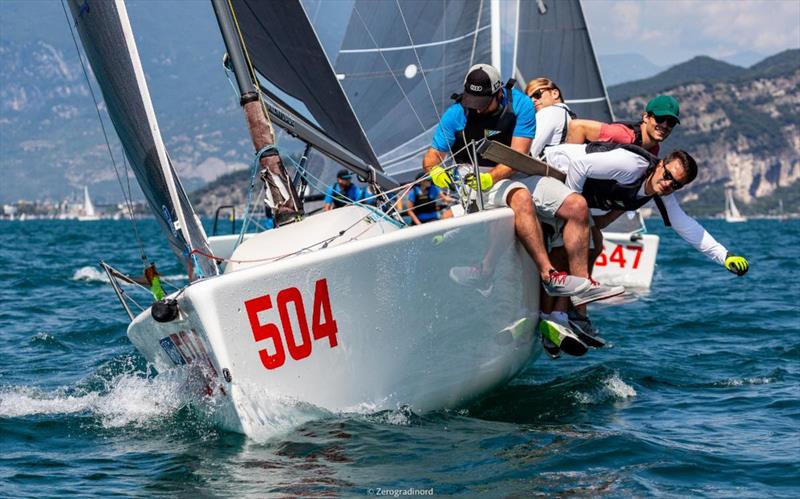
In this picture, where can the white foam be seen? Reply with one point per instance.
(747, 381)
(612, 387)
(89, 274)
(130, 400)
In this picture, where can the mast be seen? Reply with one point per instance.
(281, 197)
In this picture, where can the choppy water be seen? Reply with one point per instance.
(698, 395)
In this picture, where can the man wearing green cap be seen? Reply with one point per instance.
(659, 118)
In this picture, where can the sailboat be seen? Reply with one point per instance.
(89, 212)
(345, 310)
(732, 214)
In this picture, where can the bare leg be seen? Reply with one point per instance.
(529, 232)
(597, 240)
(575, 212)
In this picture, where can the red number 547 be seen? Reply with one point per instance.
(322, 324)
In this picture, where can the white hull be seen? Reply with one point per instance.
(627, 261)
(737, 219)
(406, 334)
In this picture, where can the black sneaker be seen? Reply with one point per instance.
(552, 350)
(585, 330)
(563, 337)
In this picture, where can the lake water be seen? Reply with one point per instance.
(698, 394)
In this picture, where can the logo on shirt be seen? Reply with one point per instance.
(489, 133)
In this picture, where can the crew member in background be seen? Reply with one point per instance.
(552, 115)
(660, 116)
(425, 202)
(343, 192)
(487, 109)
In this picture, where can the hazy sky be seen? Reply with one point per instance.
(671, 31)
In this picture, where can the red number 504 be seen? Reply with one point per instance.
(290, 300)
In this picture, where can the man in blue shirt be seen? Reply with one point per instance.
(342, 192)
(487, 109)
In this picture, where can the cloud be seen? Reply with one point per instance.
(679, 29)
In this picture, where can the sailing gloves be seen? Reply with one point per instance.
(486, 181)
(737, 264)
(441, 178)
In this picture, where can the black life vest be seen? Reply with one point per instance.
(608, 194)
(498, 127)
(339, 199)
(423, 202)
(636, 126)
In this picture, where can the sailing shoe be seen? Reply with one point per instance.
(552, 350)
(472, 277)
(585, 330)
(595, 292)
(563, 337)
(563, 284)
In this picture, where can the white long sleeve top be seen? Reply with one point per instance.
(551, 122)
(626, 167)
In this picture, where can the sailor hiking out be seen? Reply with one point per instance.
(488, 109)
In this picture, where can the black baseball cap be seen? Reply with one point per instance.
(344, 174)
(481, 83)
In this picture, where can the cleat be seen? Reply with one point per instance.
(552, 350)
(563, 284)
(563, 337)
(595, 292)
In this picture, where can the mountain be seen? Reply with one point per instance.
(699, 69)
(50, 137)
(742, 126)
(620, 68)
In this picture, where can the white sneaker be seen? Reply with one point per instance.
(595, 292)
(472, 277)
(563, 284)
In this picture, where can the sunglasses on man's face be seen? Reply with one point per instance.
(538, 93)
(671, 179)
(669, 120)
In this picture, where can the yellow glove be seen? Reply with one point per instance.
(486, 181)
(737, 264)
(441, 178)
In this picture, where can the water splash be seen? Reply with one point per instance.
(610, 388)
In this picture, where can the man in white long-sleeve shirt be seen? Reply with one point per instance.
(619, 178)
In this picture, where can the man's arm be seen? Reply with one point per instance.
(692, 232)
(328, 206)
(432, 158)
(581, 131)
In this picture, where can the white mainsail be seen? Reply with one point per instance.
(732, 214)
(88, 206)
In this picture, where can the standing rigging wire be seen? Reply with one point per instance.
(126, 196)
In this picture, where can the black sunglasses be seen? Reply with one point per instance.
(671, 122)
(538, 94)
(673, 183)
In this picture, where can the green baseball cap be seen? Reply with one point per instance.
(664, 105)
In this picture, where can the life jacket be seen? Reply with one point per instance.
(637, 130)
(498, 127)
(340, 199)
(423, 203)
(608, 194)
(568, 114)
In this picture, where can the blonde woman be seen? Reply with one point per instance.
(552, 115)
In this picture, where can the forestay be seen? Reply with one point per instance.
(554, 43)
(107, 38)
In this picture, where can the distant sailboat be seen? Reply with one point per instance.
(732, 214)
(89, 213)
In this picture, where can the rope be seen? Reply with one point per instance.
(248, 208)
(127, 196)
